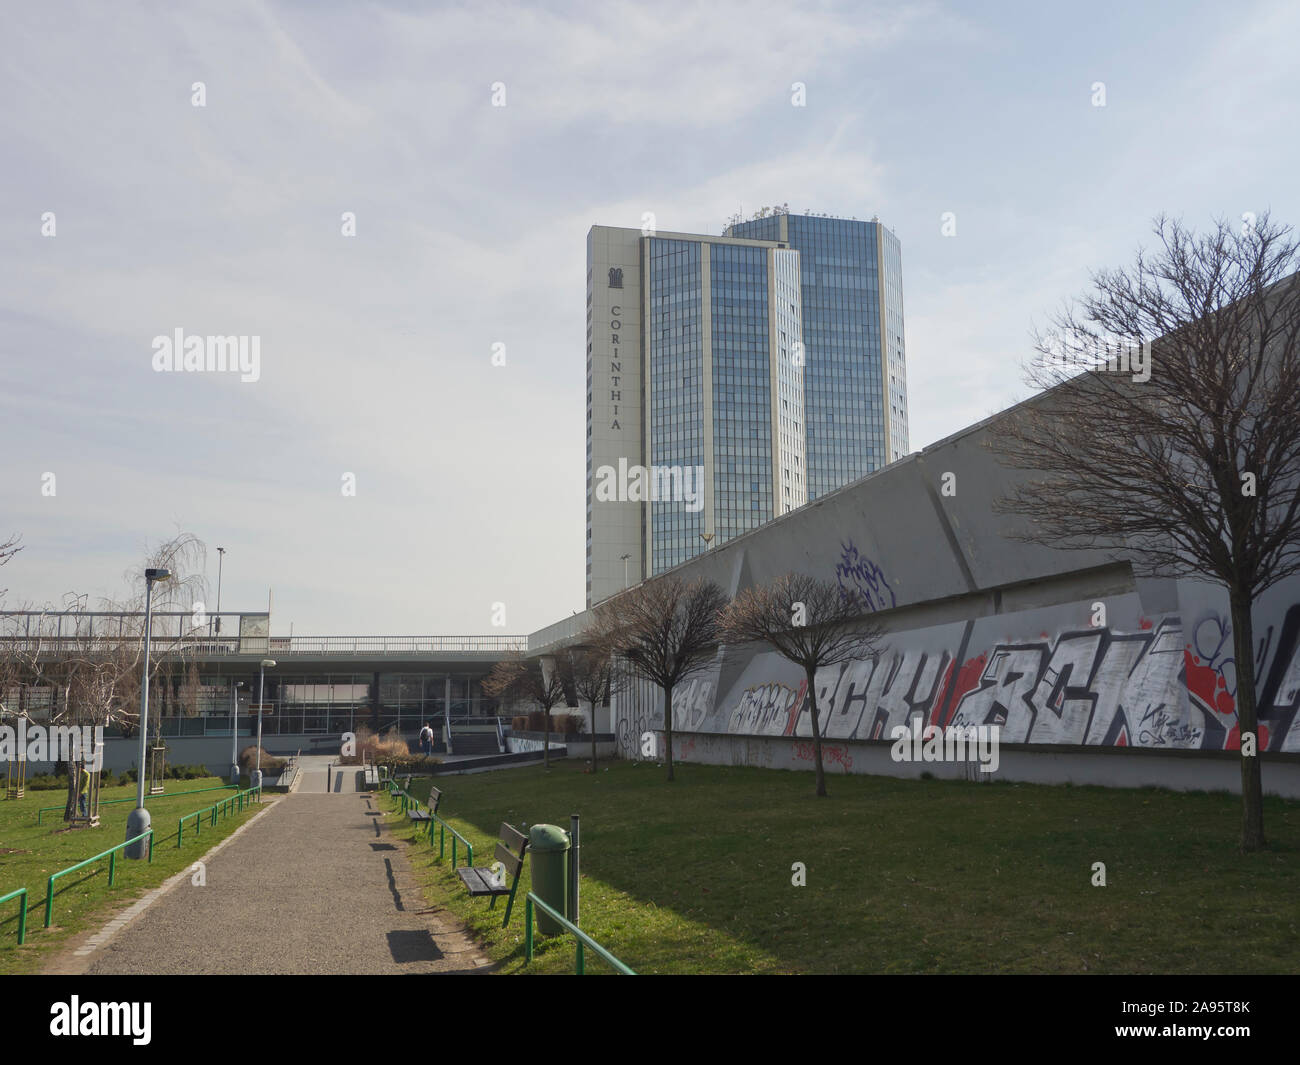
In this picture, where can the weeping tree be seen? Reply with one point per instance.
(97, 674)
(666, 631)
(1169, 432)
(810, 622)
(518, 678)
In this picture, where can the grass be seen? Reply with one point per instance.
(903, 876)
(83, 900)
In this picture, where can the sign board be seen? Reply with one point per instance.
(263, 708)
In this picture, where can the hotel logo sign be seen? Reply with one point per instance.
(615, 277)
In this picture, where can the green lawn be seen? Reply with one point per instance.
(30, 853)
(921, 876)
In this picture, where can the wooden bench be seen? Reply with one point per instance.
(510, 854)
(425, 816)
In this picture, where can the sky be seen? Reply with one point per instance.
(195, 166)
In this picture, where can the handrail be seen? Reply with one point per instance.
(111, 854)
(247, 646)
(22, 912)
(222, 808)
(406, 799)
(112, 802)
(582, 937)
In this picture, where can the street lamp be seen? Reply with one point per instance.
(234, 731)
(221, 557)
(138, 820)
(255, 778)
(625, 558)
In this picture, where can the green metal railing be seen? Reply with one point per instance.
(443, 829)
(21, 895)
(409, 801)
(111, 802)
(110, 854)
(569, 926)
(224, 808)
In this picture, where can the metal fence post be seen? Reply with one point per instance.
(573, 879)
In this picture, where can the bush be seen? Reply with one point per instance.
(409, 762)
(248, 760)
(385, 749)
(568, 724)
(519, 724)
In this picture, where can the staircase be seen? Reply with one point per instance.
(474, 743)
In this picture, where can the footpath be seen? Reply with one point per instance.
(312, 884)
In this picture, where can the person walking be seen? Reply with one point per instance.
(426, 740)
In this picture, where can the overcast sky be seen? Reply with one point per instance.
(471, 219)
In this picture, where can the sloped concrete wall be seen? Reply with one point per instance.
(982, 629)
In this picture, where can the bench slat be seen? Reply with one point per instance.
(509, 859)
(513, 838)
(479, 882)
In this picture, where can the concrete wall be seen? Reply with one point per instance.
(982, 630)
(210, 751)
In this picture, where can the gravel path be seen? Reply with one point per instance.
(314, 886)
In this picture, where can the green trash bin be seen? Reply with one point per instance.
(548, 852)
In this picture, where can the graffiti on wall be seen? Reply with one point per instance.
(856, 573)
(1161, 687)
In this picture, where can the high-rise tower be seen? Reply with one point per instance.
(730, 379)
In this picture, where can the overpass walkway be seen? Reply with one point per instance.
(312, 884)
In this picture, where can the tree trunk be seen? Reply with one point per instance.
(817, 735)
(1252, 794)
(546, 739)
(74, 784)
(593, 736)
(668, 729)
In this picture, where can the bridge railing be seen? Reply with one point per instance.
(54, 646)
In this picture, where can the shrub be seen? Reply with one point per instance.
(519, 724)
(248, 760)
(569, 724)
(389, 747)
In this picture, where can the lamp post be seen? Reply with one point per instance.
(221, 557)
(625, 558)
(255, 778)
(234, 731)
(138, 820)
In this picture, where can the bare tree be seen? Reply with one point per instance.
(8, 549)
(666, 631)
(94, 676)
(1178, 446)
(810, 622)
(516, 677)
(594, 676)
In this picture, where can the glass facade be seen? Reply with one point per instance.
(853, 338)
(742, 393)
(676, 408)
(320, 703)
